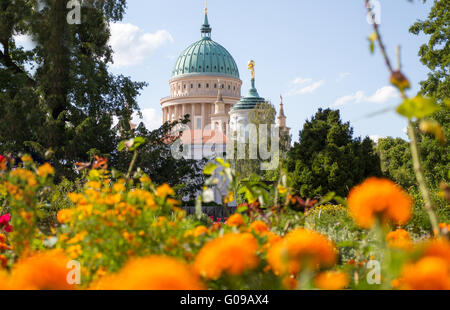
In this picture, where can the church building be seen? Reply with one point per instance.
(206, 84)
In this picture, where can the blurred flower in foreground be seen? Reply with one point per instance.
(380, 198)
(399, 239)
(300, 249)
(331, 280)
(429, 273)
(232, 253)
(41, 271)
(151, 273)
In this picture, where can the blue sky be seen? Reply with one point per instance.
(314, 53)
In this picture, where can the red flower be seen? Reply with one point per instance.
(4, 219)
(8, 228)
(2, 162)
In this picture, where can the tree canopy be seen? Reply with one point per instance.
(57, 100)
(327, 157)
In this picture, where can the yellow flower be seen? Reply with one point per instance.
(118, 187)
(229, 198)
(151, 273)
(331, 280)
(164, 190)
(113, 199)
(75, 197)
(45, 170)
(282, 190)
(145, 179)
(27, 159)
(74, 251)
(380, 198)
(299, 249)
(235, 220)
(231, 253)
(78, 237)
(93, 184)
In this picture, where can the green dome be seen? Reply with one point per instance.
(205, 57)
(250, 101)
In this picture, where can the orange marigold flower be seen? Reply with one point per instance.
(65, 215)
(444, 226)
(259, 227)
(399, 239)
(200, 230)
(27, 159)
(438, 248)
(151, 273)
(235, 220)
(429, 273)
(164, 191)
(331, 280)
(45, 170)
(298, 248)
(231, 253)
(93, 184)
(290, 282)
(4, 281)
(42, 271)
(382, 198)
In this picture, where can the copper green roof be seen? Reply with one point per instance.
(250, 101)
(205, 57)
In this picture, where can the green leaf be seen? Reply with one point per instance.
(327, 198)
(121, 146)
(209, 169)
(242, 209)
(418, 107)
(138, 141)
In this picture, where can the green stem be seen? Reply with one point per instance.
(421, 178)
(133, 162)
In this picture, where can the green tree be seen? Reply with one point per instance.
(435, 54)
(396, 164)
(58, 99)
(156, 160)
(327, 157)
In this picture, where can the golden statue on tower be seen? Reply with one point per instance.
(251, 67)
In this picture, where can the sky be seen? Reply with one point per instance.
(314, 53)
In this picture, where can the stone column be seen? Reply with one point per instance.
(193, 116)
(183, 110)
(203, 115)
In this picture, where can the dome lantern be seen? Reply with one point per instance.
(206, 28)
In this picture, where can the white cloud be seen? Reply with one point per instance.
(382, 95)
(299, 81)
(304, 86)
(150, 117)
(132, 45)
(343, 76)
(356, 97)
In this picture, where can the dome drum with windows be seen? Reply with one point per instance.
(199, 72)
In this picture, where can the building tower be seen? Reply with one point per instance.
(239, 114)
(195, 82)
